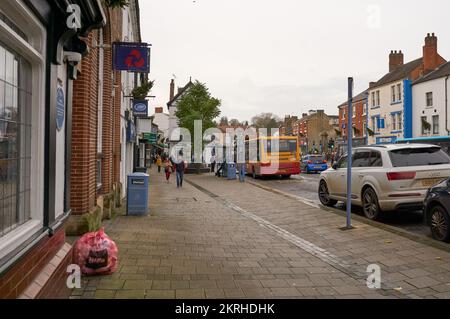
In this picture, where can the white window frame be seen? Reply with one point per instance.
(433, 126)
(399, 92)
(394, 121)
(426, 99)
(34, 51)
(393, 94)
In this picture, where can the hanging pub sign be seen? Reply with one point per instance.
(140, 108)
(131, 57)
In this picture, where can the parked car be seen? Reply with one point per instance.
(313, 163)
(386, 178)
(437, 210)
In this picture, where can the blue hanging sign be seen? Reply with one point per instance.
(60, 107)
(131, 57)
(131, 132)
(140, 108)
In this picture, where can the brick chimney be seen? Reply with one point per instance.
(159, 110)
(396, 60)
(430, 53)
(172, 89)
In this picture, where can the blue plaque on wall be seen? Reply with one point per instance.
(60, 107)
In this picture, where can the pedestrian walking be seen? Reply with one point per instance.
(168, 167)
(213, 164)
(159, 163)
(180, 167)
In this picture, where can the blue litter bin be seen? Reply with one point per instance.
(231, 171)
(137, 194)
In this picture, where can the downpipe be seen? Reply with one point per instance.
(446, 105)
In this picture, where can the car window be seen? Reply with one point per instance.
(375, 159)
(342, 162)
(361, 159)
(419, 157)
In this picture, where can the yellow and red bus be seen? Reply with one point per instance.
(275, 156)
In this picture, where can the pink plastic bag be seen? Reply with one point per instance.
(96, 254)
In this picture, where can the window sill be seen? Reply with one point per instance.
(375, 107)
(17, 237)
(396, 132)
(397, 102)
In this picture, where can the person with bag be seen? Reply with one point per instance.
(168, 168)
(159, 163)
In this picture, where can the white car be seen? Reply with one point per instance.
(386, 178)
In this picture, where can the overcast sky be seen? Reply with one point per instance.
(284, 56)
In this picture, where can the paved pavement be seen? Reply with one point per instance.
(223, 239)
(306, 187)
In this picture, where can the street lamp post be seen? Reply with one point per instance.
(349, 156)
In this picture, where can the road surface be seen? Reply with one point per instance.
(306, 186)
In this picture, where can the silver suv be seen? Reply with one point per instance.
(386, 178)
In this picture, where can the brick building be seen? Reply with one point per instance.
(288, 128)
(314, 130)
(101, 155)
(359, 129)
(390, 112)
(40, 50)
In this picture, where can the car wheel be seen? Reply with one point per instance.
(440, 224)
(324, 195)
(371, 207)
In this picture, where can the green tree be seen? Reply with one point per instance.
(266, 120)
(198, 104)
(141, 92)
(224, 121)
(235, 122)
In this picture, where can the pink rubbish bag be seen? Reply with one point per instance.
(96, 254)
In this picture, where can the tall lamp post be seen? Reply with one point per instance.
(349, 156)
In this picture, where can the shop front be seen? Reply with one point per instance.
(39, 52)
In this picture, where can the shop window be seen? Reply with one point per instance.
(15, 136)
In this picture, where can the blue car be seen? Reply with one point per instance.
(313, 164)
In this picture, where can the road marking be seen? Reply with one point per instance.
(301, 243)
(389, 228)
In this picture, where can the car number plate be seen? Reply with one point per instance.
(431, 181)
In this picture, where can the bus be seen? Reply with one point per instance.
(442, 141)
(270, 161)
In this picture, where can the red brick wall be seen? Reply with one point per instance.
(117, 132)
(358, 120)
(84, 133)
(107, 114)
(111, 105)
(86, 121)
(22, 275)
